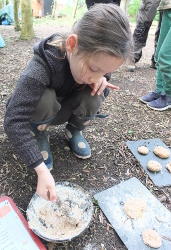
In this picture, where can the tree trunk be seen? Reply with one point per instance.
(1, 4)
(27, 31)
(16, 19)
(54, 10)
(75, 9)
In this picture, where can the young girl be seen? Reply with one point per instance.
(64, 82)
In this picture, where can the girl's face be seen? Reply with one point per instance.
(90, 71)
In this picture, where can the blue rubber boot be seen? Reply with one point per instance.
(42, 138)
(73, 133)
(79, 145)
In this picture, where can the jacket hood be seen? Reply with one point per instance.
(57, 62)
(49, 53)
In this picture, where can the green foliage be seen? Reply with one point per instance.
(64, 16)
(134, 7)
(130, 132)
(157, 16)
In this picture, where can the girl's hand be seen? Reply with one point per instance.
(46, 183)
(101, 85)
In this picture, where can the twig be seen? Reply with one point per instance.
(3, 179)
(22, 209)
(166, 238)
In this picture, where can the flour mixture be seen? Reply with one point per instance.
(62, 220)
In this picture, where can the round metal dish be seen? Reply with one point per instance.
(73, 204)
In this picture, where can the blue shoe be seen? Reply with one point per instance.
(150, 97)
(79, 145)
(42, 138)
(161, 104)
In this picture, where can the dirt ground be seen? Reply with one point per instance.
(111, 161)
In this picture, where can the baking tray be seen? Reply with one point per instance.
(161, 178)
(156, 216)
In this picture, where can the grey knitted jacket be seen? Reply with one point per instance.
(49, 67)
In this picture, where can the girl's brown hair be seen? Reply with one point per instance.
(104, 28)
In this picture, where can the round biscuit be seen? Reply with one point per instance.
(154, 166)
(161, 152)
(151, 238)
(168, 166)
(143, 150)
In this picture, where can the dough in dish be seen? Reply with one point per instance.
(154, 166)
(143, 150)
(151, 238)
(161, 152)
(134, 208)
(168, 166)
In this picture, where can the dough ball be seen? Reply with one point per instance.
(151, 238)
(154, 166)
(161, 152)
(134, 208)
(143, 150)
(168, 166)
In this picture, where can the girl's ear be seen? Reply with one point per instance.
(71, 43)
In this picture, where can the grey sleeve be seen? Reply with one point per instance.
(31, 85)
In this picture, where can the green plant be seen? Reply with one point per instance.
(157, 16)
(133, 8)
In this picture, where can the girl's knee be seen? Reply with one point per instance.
(89, 107)
(47, 106)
